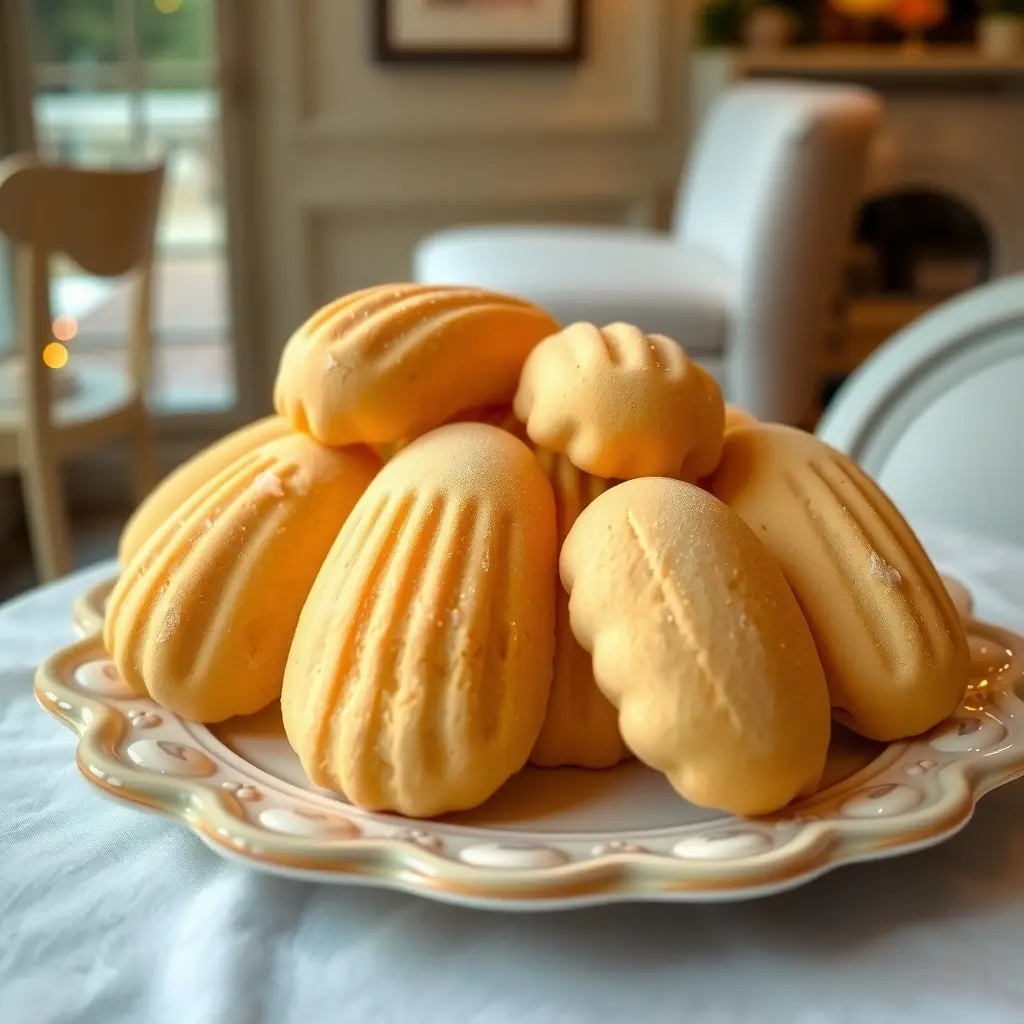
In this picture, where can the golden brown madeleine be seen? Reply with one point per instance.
(892, 645)
(184, 481)
(735, 417)
(621, 404)
(388, 363)
(421, 665)
(581, 726)
(203, 616)
(698, 641)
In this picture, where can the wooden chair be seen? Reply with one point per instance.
(104, 220)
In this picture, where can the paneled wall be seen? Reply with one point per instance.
(353, 161)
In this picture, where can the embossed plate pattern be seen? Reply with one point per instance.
(549, 839)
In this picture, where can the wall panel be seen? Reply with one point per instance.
(353, 162)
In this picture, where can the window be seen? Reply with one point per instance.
(127, 81)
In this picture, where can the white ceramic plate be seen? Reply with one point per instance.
(550, 838)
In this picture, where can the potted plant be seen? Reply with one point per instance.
(757, 24)
(1001, 28)
(770, 26)
(720, 23)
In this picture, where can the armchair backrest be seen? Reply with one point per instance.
(777, 171)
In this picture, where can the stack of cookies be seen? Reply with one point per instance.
(471, 540)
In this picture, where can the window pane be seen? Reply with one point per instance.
(70, 33)
(175, 41)
(122, 81)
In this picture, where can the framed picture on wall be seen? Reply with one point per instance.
(478, 31)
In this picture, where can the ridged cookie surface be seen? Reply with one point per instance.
(698, 641)
(203, 615)
(621, 404)
(581, 726)
(184, 481)
(892, 645)
(422, 662)
(388, 363)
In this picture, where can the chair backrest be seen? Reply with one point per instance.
(936, 414)
(104, 220)
(777, 170)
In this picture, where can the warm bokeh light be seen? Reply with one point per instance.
(919, 14)
(864, 9)
(55, 355)
(166, 6)
(65, 328)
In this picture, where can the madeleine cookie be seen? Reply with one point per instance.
(386, 364)
(735, 417)
(581, 727)
(203, 616)
(698, 641)
(421, 665)
(621, 404)
(184, 481)
(892, 645)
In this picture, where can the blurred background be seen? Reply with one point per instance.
(311, 144)
(118, 82)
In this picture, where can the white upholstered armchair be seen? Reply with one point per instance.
(746, 278)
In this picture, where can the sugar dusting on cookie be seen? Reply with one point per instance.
(882, 571)
(269, 483)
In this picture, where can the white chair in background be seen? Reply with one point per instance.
(746, 279)
(936, 415)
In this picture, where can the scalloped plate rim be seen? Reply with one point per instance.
(816, 847)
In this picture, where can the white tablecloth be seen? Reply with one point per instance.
(108, 914)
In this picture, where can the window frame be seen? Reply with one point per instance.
(17, 133)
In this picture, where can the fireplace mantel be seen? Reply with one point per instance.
(866, 62)
(951, 129)
(963, 68)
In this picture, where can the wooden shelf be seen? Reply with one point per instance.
(944, 68)
(870, 61)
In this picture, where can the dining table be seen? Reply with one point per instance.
(111, 914)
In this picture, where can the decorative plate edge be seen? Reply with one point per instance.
(615, 875)
(88, 608)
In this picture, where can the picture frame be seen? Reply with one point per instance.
(478, 31)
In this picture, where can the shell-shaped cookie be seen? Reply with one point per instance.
(203, 615)
(698, 641)
(421, 665)
(581, 726)
(893, 647)
(388, 363)
(184, 481)
(621, 404)
(736, 417)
